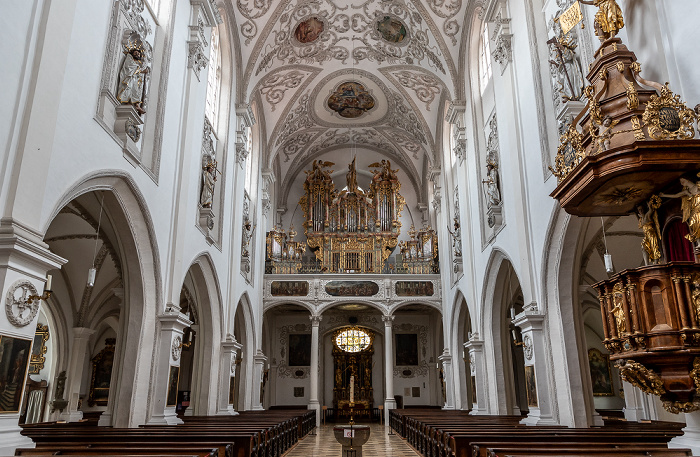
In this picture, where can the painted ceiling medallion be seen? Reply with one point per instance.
(351, 100)
(392, 30)
(309, 30)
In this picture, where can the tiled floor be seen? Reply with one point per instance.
(379, 445)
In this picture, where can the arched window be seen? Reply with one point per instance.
(214, 80)
(353, 340)
(484, 59)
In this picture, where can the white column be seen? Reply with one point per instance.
(390, 401)
(168, 354)
(446, 360)
(313, 388)
(530, 324)
(259, 361)
(477, 366)
(690, 439)
(229, 353)
(634, 403)
(76, 364)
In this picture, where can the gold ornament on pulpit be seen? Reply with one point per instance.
(608, 19)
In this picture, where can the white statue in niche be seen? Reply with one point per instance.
(209, 171)
(493, 194)
(134, 73)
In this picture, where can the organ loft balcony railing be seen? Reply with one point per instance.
(352, 230)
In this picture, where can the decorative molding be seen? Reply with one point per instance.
(274, 87)
(425, 86)
(503, 51)
(527, 347)
(17, 304)
(283, 370)
(196, 59)
(176, 349)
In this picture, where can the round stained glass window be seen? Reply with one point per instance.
(353, 340)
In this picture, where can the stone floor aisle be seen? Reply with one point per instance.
(379, 445)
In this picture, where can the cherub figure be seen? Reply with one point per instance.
(603, 133)
(608, 19)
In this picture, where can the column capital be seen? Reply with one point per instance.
(315, 320)
(388, 320)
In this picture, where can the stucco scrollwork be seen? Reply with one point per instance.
(422, 368)
(20, 310)
(425, 86)
(527, 347)
(274, 87)
(251, 11)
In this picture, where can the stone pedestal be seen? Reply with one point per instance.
(352, 438)
(126, 127)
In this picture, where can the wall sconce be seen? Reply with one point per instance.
(187, 338)
(515, 339)
(47, 291)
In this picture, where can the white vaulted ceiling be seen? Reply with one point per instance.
(289, 72)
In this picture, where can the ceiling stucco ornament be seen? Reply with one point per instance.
(274, 87)
(403, 141)
(425, 86)
(296, 119)
(298, 142)
(447, 10)
(405, 118)
(251, 11)
(352, 29)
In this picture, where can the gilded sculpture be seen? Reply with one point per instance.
(690, 204)
(649, 223)
(608, 19)
(618, 310)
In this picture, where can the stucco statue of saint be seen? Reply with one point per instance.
(132, 80)
(608, 19)
(206, 196)
(493, 193)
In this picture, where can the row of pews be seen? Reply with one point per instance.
(249, 434)
(457, 434)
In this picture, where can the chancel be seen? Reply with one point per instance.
(262, 228)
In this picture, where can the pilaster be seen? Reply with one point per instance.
(530, 324)
(167, 355)
(76, 362)
(446, 359)
(229, 355)
(259, 361)
(477, 365)
(389, 401)
(313, 375)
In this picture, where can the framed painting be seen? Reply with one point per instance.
(173, 380)
(231, 390)
(102, 375)
(531, 386)
(39, 349)
(601, 377)
(406, 349)
(14, 362)
(299, 350)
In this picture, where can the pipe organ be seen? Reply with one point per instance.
(352, 230)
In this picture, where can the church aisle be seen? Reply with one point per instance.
(379, 445)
